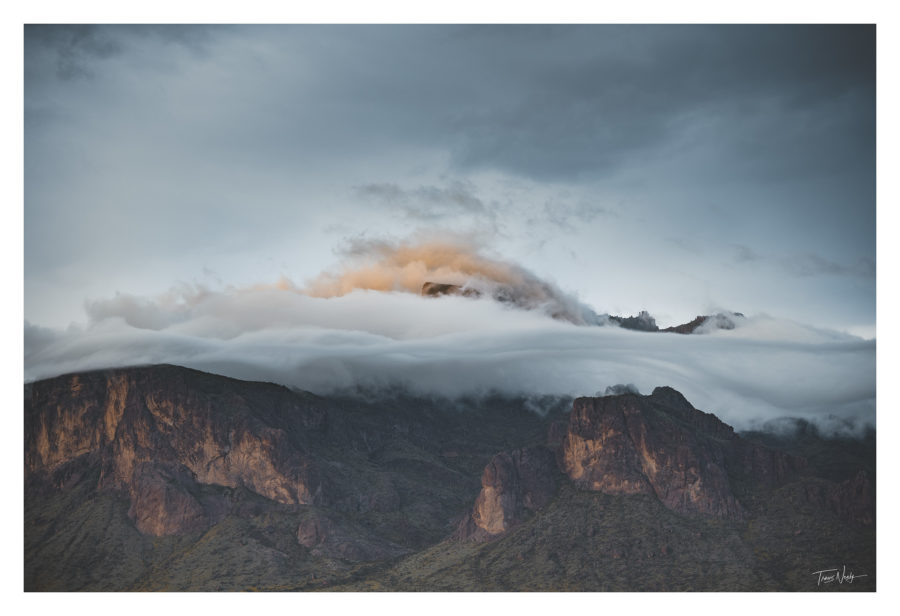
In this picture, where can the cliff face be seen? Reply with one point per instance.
(161, 434)
(627, 443)
(660, 444)
(512, 485)
(262, 483)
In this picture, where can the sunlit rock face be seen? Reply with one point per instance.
(627, 443)
(512, 485)
(158, 436)
(660, 444)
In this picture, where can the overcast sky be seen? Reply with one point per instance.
(676, 169)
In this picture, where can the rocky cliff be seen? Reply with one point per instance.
(512, 485)
(660, 444)
(166, 478)
(159, 435)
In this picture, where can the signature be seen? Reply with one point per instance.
(829, 576)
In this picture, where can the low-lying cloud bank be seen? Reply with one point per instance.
(451, 346)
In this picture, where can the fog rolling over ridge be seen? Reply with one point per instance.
(366, 325)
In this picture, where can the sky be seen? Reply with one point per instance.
(674, 169)
(268, 199)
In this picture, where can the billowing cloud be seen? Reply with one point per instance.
(406, 267)
(764, 369)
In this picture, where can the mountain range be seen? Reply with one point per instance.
(165, 478)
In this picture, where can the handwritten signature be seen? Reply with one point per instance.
(829, 576)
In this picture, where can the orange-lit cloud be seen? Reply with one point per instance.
(406, 267)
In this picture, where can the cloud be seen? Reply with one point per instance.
(235, 147)
(568, 217)
(77, 48)
(381, 265)
(428, 203)
(810, 264)
(745, 254)
(600, 97)
(239, 147)
(453, 346)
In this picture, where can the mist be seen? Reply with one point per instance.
(360, 339)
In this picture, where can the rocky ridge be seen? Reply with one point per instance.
(513, 485)
(317, 482)
(658, 445)
(158, 437)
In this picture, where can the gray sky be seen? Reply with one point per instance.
(676, 169)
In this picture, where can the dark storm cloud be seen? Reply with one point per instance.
(77, 47)
(562, 102)
(602, 95)
(547, 103)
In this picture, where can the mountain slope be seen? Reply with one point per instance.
(164, 478)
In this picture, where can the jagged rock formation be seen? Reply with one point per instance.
(437, 289)
(512, 485)
(167, 478)
(660, 444)
(642, 322)
(715, 321)
(158, 437)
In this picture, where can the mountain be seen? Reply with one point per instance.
(643, 321)
(715, 321)
(164, 478)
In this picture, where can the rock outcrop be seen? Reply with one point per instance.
(512, 485)
(660, 444)
(160, 433)
(705, 323)
(262, 484)
(642, 322)
(437, 289)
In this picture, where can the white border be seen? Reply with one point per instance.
(461, 11)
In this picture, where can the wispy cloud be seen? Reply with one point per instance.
(569, 217)
(810, 264)
(428, 203)
(745, 254)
